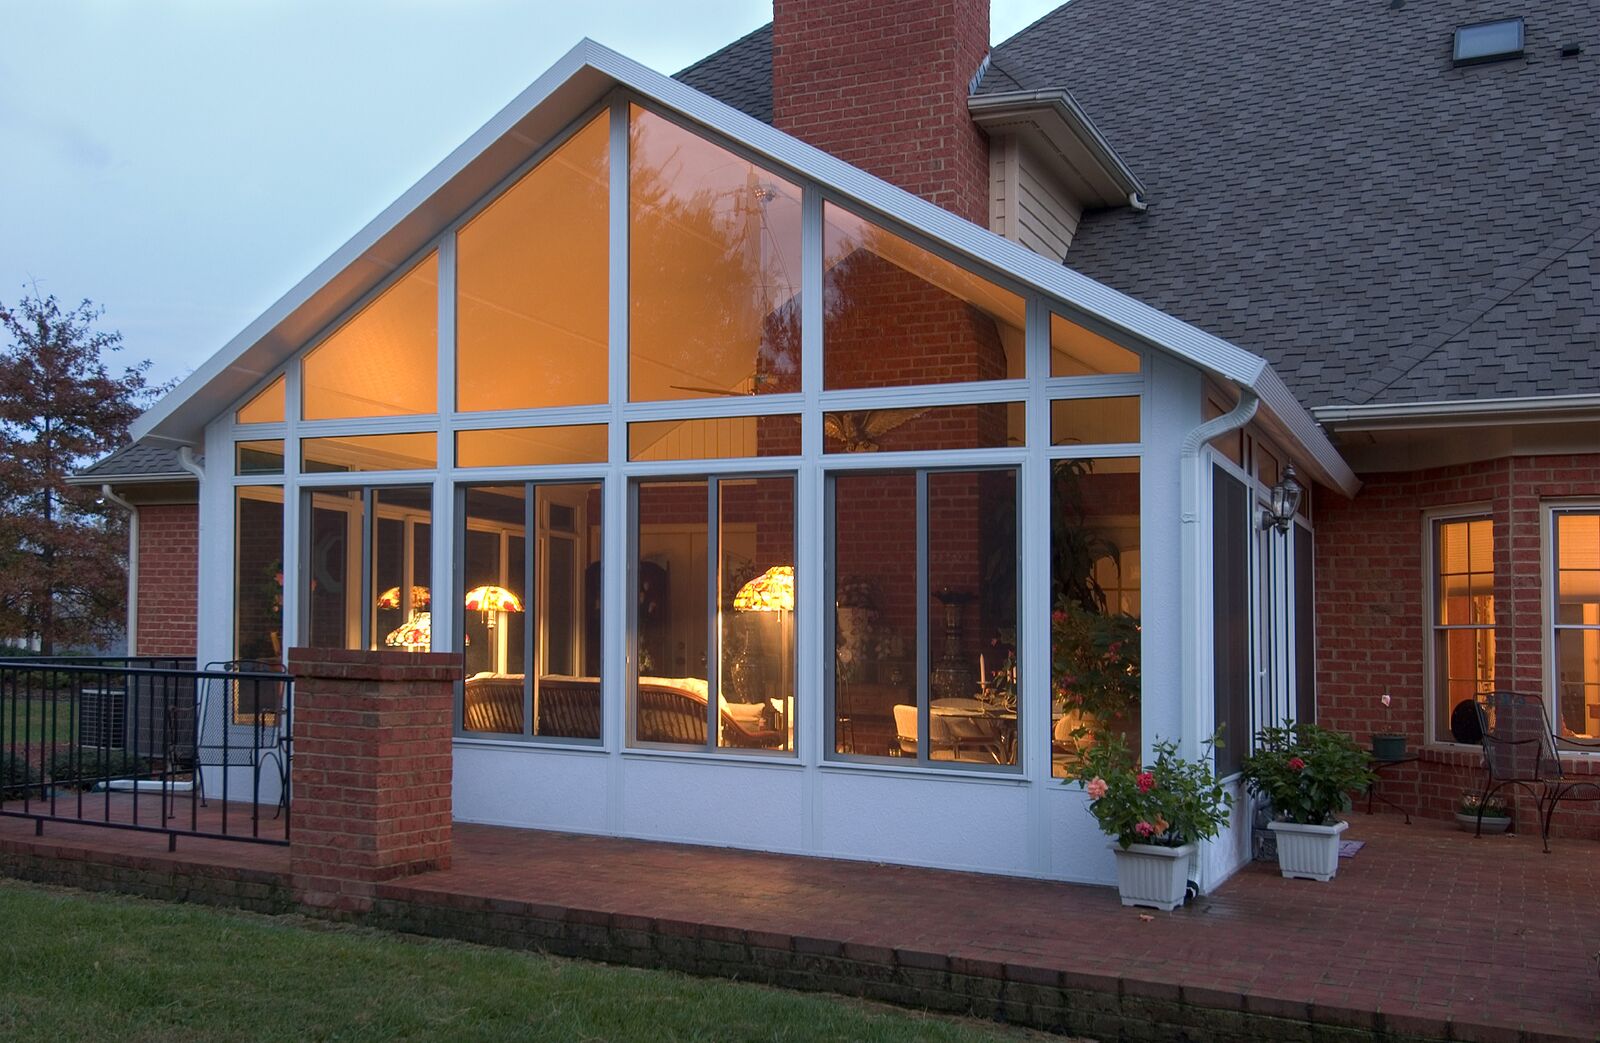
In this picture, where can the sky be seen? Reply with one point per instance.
(183, 163)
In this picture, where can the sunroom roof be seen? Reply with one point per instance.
(576, 83)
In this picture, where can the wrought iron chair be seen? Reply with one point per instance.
(1520, 751)
(241, 726)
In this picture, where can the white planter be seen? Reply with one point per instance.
(1308, 852)
(1151, 876)
(1491, 823)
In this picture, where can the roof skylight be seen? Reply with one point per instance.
(1494, 41)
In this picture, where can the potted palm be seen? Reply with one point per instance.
(1306, 774)
(1156, 815)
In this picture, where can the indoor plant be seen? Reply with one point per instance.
(1496, 816)
(1307, 774)
(1156, 815)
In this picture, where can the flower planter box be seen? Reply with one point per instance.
(1491, 823)
(1308, 852)
(1151, 876)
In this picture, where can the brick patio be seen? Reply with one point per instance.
(1427, 932)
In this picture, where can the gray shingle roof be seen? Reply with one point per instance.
(1325, 189)
(137, 460)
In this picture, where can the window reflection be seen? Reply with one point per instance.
(370, 568)
(1577, 618)
(1463, 622)
(258, 574)
(714, 269)
(1077, 351)
(895, 314)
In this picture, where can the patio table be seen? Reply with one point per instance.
(1379, 766)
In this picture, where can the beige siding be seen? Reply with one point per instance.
(1027, 204)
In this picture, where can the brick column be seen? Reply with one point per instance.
(371, 771)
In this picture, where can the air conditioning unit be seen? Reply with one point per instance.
(151, 716)
(102, 717)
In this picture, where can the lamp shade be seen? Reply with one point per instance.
(413, 633)
(772, 591)
(492, 599)
(420, 598)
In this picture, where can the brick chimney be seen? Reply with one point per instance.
(883, 84)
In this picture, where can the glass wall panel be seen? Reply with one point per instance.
(258, 574)
(672, 611)
(405, 452)
(544, 610)
(1463, 620)
(531, 446)
(1577, 624)
(1095, 601)
(875, 597)
(714, 269)
(383, 361)
(369, 568)
(985, 425)
(1076, 351)
(714, 438)
(263, 457)
(756, 613)
(1231, 543)
(531, 285)
(1094, 421)
(267, 407)
(895, 314)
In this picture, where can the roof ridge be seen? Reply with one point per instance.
(1535, 267)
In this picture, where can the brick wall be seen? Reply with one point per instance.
(1372, 633)
(169, 556)
(371, 771)
(883, 85)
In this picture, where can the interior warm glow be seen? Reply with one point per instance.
(714, 269)
(531, 285)
(1094, 421)
(492, 598)
(895, 314)
(772, 591)
(715, 438)
(383, 361)
(1076, 351)
(403, 452)
(531, 446)
(1577, 618)
(267, 407)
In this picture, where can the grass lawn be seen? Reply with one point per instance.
(33, 722)
(77, 966)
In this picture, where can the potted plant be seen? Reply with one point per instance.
(1306, 774)
(1493, 811)
(1388, 746)
(1156, 815)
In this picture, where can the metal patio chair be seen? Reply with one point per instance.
(1520, 751)
(241, 726)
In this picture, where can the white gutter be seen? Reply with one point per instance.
(1478, 412)
(187, 461)
(133, 566)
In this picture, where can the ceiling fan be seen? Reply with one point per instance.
(860, 429)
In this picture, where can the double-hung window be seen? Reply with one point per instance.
(1461, 615)
(1575, 614)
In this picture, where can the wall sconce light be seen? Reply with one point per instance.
(1285, 502)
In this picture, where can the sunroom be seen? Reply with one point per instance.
(769, 506)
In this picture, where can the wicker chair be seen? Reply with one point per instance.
(569, 708)
(493, 705)
(1519, 751)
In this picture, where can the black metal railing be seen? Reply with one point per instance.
(148, 743)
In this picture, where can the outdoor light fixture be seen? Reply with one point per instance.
(1285, 501)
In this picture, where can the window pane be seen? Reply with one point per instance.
(531, 446)
(1463, 655)
(1095, 598)
(401, 593)
(263, 457)
(1094, 421)
(986, 425)
(737, 436)
(1578, 569)
(972, 617)
(1076, 351)
(672, 612)
(756, 613)
(494, 604)
(1578, 683)
(532, 273)
(714, 269)
(875, 614)
(382, 362)
(895, 314)
(267, 407)
(258, 574)
(369, 453)
(382, 537)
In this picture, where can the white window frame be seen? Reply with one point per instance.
(1430, 587)
(1547, 600)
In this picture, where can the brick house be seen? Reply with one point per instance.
(732, 409)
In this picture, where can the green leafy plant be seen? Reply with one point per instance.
(87, 765)
(16, 774)
(1170, 803)
(1306, 772)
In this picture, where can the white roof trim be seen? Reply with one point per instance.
(1067, 133)
(574, 83)
(1544, 409)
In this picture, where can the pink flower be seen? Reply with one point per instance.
(1296, 764)
(1147, 782)
(1096, 788)
(1144, 829)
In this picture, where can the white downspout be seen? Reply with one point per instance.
(187, 461)
(133, 566)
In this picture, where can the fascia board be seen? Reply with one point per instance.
(1057, 116)
(574, 83)
(1400, 416)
